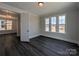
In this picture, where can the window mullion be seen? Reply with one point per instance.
(57, 24)
(5, 24)
(50, 24)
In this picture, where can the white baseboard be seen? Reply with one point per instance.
(53, 37)
(34, 36)
(62, 39)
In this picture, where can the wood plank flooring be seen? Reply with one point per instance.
(38, 46)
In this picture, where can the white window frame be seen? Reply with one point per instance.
(51, 24)
(45, 25)
(57, 24)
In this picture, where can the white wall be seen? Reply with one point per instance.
(33, 25)
(71, 27)
(29, 26)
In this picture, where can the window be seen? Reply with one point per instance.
(2, 24)
(5, 25)
(9, 24)
(61, 24)
(53, 24)
(46, 24)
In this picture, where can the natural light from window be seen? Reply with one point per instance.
(5, 24)
(53, 24)
(62, 24)
(46, 24)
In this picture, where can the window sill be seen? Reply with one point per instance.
(55, 32)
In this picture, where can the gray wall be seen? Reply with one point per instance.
(71, 34)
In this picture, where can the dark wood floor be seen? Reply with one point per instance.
(39, 46)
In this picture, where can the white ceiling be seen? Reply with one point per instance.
(49, 7)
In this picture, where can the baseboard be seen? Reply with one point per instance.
(25, 41)
(50, 37)
(61, 39)
(30, 37)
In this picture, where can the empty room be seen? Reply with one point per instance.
(39, 29)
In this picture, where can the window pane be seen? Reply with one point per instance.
(62, 24)
(9, 24)
(47, 24)
(53, 24)
(9, 27)
(2, 24)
